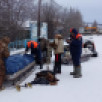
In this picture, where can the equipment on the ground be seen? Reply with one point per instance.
(43, 78)
(18, 87)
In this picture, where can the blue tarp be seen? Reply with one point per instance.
(16, 62)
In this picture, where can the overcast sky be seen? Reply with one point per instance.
(90, 9)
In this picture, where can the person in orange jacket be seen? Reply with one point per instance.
(35, 51)
(75, 51)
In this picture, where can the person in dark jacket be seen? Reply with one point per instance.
(35, 51)
(75, 51)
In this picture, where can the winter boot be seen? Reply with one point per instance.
(73, 73)
(77, 72)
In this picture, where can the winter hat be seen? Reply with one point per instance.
(74, 31)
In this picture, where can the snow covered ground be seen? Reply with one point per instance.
(85, 89)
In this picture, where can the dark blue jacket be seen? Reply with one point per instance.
(76, 50)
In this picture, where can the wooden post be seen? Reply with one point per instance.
(38, 22)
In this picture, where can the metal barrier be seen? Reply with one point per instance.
(19, 44)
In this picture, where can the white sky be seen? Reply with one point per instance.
(90, 9)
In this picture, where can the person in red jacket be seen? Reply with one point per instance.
(35, 51)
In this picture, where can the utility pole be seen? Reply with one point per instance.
(38, 19)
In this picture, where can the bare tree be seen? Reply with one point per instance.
(72, 19)
(13, 14)
(61, 19)
(51, 16)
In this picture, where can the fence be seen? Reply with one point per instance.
(19, 44)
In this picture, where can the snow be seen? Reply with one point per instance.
(17, 51)
(65, 43)
(69, 89)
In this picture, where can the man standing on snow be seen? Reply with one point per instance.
(4, 53)
(75, 51)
